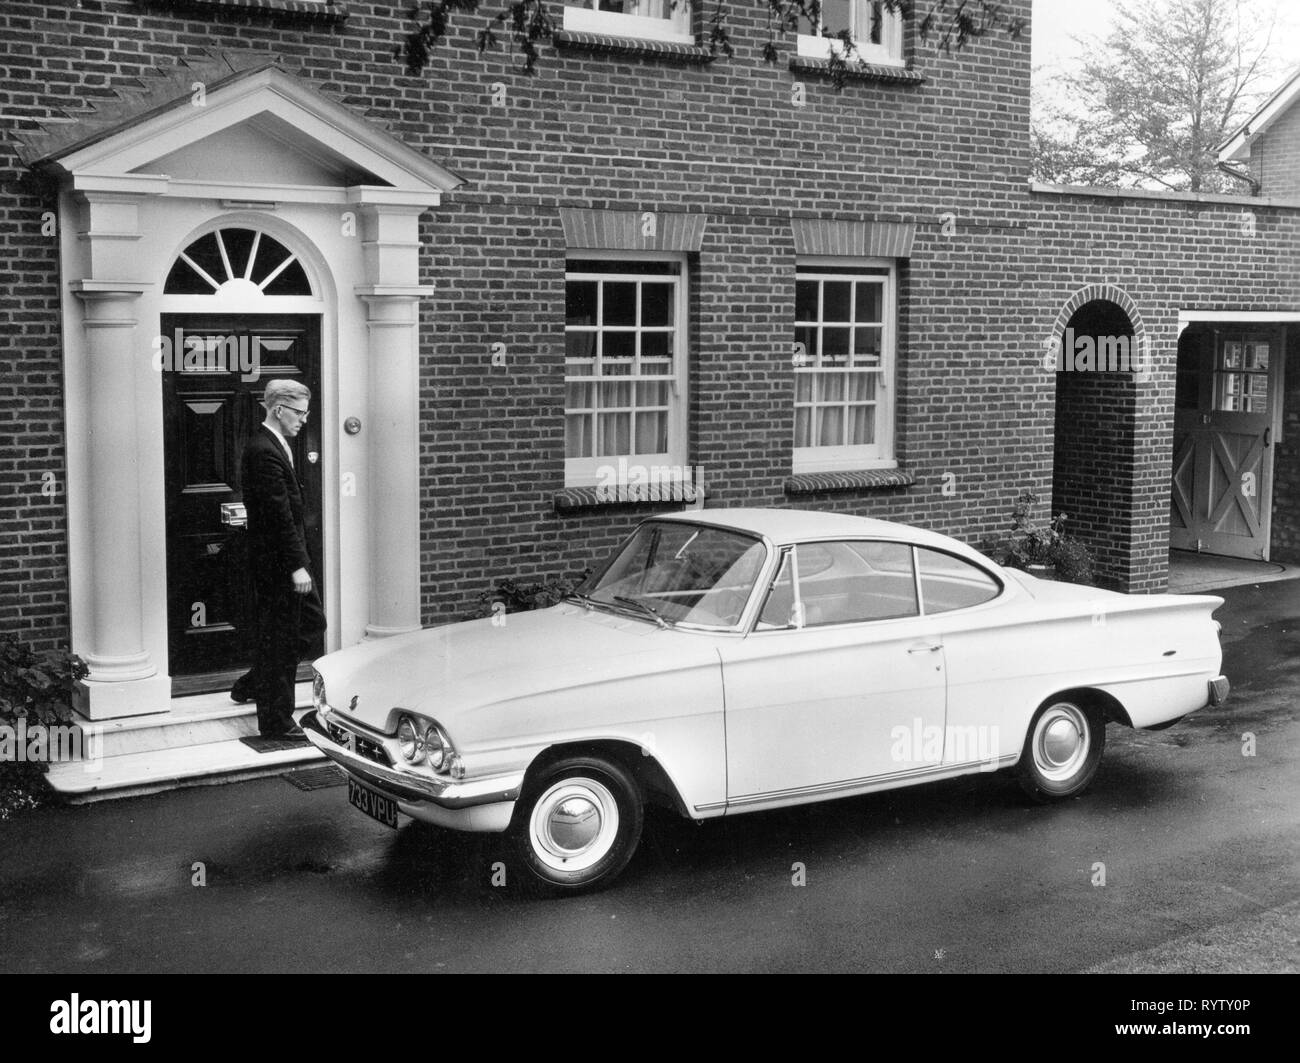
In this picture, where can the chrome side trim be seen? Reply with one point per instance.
(447, 793)
(830, 789)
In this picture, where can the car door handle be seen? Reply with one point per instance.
(925, 647)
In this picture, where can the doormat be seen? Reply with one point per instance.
(316, 778)
(273, 745)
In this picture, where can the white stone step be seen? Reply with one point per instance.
(195, 744)
(195, 720)
(210, 763)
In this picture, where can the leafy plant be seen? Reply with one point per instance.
(35, 687)
(518, 597)
(526, 22)
(1047, 544)
(38, 686)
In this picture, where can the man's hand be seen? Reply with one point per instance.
(301, 581)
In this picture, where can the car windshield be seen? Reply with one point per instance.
(681, 573)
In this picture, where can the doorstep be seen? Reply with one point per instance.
(197, 743)
(1193, 573)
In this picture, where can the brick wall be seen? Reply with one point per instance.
(1275, 157)
(975, 408)
(1167, 255)
(602, 131)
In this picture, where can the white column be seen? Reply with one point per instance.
(390, 228)
(393, 495)
(123, 678)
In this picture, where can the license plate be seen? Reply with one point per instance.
(374, 805)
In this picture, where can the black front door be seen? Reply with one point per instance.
(215, 368)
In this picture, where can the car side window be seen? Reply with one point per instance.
(949, 582)
(826, 583)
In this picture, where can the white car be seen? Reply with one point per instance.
(727, 661)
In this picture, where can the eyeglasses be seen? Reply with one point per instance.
(302, 414)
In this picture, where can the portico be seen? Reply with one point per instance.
(237, 145)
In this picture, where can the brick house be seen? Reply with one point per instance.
(534, 309)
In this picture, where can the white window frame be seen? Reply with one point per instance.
(675, 28)
(858, 457)
(595, 471)
(889, 52)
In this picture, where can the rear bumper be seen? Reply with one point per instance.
(482, 804)
(1219, 689)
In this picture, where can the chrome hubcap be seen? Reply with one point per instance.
(1061, 742)
(573, 824)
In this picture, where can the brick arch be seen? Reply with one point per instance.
(1093, 292)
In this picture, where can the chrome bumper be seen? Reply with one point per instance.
(406, 785)
(1219, 690)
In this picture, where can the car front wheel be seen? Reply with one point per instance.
(1062, 750)
(578, 822)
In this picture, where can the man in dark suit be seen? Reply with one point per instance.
(286, 605)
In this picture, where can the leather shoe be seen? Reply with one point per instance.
(293, 732)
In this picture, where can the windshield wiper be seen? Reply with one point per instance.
(585, 599)
(643, 607)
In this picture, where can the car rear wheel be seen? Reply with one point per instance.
(1062, 750)
(578, 823)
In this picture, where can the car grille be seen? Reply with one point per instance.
(362, 746)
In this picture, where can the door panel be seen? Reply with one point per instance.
(1222, 484)
(819, 706)
(211, 404)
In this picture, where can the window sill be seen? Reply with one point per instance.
(808, 483)
(571, 498)
(329, 12)
(803, 64)
(668, 51)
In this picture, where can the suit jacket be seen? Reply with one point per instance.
(277, 533)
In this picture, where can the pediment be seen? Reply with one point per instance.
(263, 150)
(259, 125)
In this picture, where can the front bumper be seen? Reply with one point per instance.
(1219, 690)
(480, 804)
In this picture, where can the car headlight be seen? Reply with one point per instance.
(317, 690)
(410, 742)
(434, 748)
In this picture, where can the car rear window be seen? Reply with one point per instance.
(949, 582)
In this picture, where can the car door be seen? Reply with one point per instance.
(841, 681)
(987, 702)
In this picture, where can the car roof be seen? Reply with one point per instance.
(784, 526)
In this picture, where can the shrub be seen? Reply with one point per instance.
(518, 597)
(1046, 544)
(36, 687)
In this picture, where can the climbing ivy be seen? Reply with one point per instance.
(524, 23)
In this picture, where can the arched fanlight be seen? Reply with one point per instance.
(237, 258)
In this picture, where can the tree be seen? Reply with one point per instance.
(1151, 103)
(950, 23)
